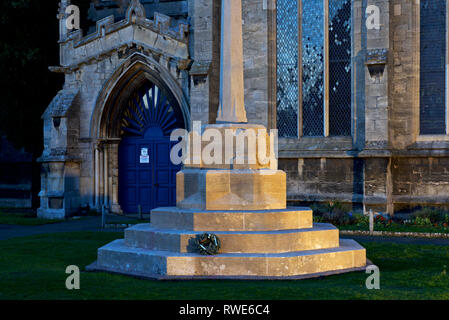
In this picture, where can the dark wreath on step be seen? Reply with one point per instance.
(208, 244)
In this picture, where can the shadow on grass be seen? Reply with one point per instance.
(24, 219)
(34, 268)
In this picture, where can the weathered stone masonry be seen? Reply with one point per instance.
(385, 164)
(79, 162)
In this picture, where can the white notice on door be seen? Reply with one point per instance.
(144, 157)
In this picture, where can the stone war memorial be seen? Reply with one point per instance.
(231, 220)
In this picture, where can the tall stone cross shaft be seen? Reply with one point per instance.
(232, 101)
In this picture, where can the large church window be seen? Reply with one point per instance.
(433, 48)
(314, 91)
(287, 68)
(340, 68)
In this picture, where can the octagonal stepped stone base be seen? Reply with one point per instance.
(120, 258)
(262, 220)
(321, 236)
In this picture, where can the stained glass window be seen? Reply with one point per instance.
(340, 68)
(433, 67)
(313, 67)
(287, 68)
(314, 79)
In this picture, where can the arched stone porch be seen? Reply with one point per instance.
(105, 122)
(81, 131)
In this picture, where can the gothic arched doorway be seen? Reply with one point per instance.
(147, 177)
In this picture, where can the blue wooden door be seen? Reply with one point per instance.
(147, 177)
(165, 175)
(150, 185)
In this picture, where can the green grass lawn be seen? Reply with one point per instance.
(24, 219)
(129, 221)
(34, 268)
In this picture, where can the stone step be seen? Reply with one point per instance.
(264, 220)
(117, 257)
(321, 236)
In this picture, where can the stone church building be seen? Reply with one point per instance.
(361, 109)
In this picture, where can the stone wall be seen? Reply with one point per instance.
(376, 83)
(404, 68)
(419, 172)
(420, 181)
(318, 179)
(385, 164)
(255, 58)
(204, 51)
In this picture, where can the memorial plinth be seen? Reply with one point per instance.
(242, 203)
(244, 207)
